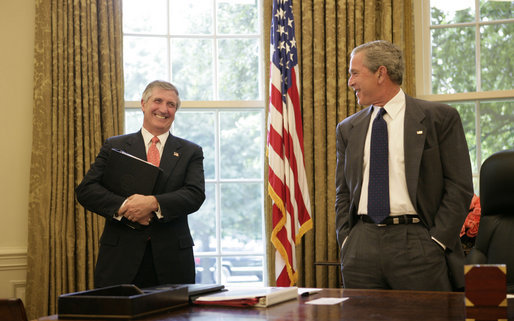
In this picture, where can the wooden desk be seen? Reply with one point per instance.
(361, 305)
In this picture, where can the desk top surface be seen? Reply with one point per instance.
(360, 305)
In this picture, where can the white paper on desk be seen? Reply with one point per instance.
(326, 301)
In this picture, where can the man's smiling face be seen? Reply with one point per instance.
(159, 111)
(363, 81)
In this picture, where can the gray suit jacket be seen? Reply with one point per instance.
(180, 191)
(437, 170)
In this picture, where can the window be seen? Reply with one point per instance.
(464, 57)
(211, 50)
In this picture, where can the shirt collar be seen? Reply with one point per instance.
(147, 136)
(394, 106)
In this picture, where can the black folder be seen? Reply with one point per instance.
(121, 302)
(126, 174)
(194, 290)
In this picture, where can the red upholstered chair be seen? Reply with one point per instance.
(495, 239)
(12, 310)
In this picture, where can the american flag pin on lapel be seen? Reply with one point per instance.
(176, 154)
(419, 132)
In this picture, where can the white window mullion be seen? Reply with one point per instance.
(168, 33)
(218, 196)
(478, 133)
(424, 49)
(477, 49)
(215, 51)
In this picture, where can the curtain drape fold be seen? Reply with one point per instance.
(326, 33)
(78, 102)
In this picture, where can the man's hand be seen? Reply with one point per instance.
(139, 208)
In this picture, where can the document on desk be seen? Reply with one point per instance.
(250, 297)
(326, 301)
(308, 291)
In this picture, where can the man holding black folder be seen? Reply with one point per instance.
(146, 239)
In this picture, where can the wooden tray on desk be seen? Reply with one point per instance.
(124, 301)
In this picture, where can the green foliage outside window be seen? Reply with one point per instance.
(488, 124)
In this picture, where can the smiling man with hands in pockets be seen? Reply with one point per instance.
(403, 182)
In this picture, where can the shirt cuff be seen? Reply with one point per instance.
(158, 213)
(441, 244)
(344, 242)
(116, 216)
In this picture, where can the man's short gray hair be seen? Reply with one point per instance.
(163, 85)
(383, 53)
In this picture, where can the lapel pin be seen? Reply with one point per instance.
(176, 154)
(419, 132)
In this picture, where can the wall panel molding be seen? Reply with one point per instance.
(13, 272)
(13, 259)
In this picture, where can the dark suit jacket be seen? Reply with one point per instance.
(437, 170)
(180, 191)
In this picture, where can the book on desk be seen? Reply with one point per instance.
(250, 297)
(194, 290)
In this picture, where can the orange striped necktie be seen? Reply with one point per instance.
(153, 153)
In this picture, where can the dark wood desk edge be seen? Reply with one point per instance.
(234, 313)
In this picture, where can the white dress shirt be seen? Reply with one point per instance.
(147, 137)
(399, 200)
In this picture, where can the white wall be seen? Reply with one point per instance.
(16, 90)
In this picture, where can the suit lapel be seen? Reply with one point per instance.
(414, 137)
(355, 150)
(135, 145)
(170, 156)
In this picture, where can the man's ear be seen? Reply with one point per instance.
(381, 73)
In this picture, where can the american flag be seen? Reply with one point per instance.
(287, 184)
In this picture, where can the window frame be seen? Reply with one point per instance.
(423, 70)
(217, 106)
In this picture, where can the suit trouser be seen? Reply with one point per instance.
(146, 275)
(402, 257)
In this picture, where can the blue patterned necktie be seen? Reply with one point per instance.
(378, 189)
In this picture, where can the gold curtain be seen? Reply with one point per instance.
(326, 32)
(78, 102)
